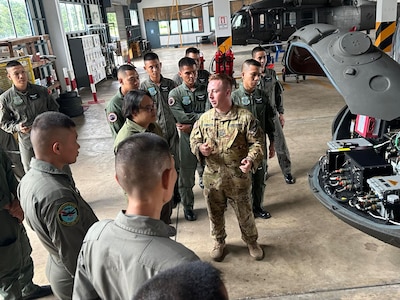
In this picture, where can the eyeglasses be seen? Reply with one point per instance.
(149, 108)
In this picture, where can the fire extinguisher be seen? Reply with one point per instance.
(229, 57)
(219, 62)
(201, 67)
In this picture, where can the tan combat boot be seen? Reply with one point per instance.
(255, 251)
(218, 251)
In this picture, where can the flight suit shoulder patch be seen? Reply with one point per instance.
(67, 214)
(112, 117)
(171, 101)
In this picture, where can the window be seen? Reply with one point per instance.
(174, 27)
(187, 25)
(14, 20)
(72, 16)
(112, 21)
(239, 21)
(290, 18)
(163, 27)
(171, 20)
(134, 17)
(262, 21)
(212, 23)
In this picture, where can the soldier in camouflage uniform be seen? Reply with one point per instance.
(128, 79)
(232, 143)
(188, 102)
(256, 101)
(269, 82)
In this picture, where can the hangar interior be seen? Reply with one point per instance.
(309, 253)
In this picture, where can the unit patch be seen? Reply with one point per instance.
(112, 117)
(186, 100)
(152, 91)
(17, 100)
(67, 214)
(245, 100)
(171, 101)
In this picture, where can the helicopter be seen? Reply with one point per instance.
(358, 177)
(273, 21)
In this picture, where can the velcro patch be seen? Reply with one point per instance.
(68, 214)
(112, 117)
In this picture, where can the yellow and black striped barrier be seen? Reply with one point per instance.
(224, 43)
(384, 35)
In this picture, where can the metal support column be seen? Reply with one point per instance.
(223, 29)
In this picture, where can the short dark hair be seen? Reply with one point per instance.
(195, 280)
(251, 62)
(51, 120)
(140, 161)
(45, 129)
(132, 101)
(192, 50)
(13, 63)
(126, 67)
(186, 62)
(150, 56)
(257, 49)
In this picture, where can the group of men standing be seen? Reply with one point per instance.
(205, 125)
(180, 104)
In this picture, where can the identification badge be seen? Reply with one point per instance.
(152, 91)
(17, 100)
(245, 100)
(186, 100)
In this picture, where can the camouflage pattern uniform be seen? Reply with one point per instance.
(233, 136)
(258, 104)
(187, 106)
(270, 83)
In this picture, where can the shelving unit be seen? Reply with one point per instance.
(40, 71)
(101, 30)
(87, 58)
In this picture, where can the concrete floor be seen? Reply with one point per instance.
(309, 253)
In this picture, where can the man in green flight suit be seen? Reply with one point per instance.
(159, 87)
(187, 102)
(256, 101)
(128, 79)
(16, 265)
(269, 82)
(19, 106)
